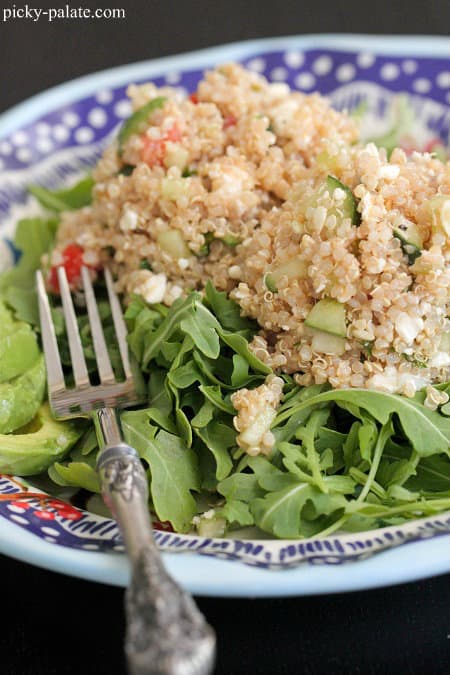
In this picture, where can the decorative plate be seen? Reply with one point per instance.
(58, 134)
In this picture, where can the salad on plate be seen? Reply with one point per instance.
(286, 291)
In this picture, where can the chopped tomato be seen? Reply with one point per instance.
(174, 134)
(229, 121)
(154, 149)
(72, 262)
(194, 98)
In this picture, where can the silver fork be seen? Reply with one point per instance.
(166, 633)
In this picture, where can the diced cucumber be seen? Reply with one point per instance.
(409, 233)
(439, 207)
(230, 240)
(328, 315)
(411, 240)
(292, 269)
(326, 161)
(270, 283)
(177, 156)
(325, 343)
(138, 120)
(348, 207)
(174, 188)
(172, 242)
(444, 345)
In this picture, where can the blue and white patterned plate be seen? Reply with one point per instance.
(54, 137)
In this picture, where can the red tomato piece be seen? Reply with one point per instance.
(229, 121)
(153, 150)
(193, 98)
(174, 134)
(72, 261)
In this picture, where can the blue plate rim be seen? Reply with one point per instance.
(67, 92)
(201, 574)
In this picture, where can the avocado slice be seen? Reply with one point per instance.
(35, 449)
(328, 315)
(18, 352)
(21, 397)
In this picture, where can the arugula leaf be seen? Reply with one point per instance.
(201, 325)
(240, 487)
(280, 512)
(219, 438)
(236, 513)
(427, 430)
(227, 311)
(69, 199)
(76, 474)
(174, 470)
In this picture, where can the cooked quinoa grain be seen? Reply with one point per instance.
(267, 193)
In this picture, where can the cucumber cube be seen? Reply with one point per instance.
(328, 315)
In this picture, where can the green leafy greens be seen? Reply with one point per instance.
(350, 458)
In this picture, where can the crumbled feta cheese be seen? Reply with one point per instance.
(408, 327)
(129, 220)
(339, 195)
(282, 116)
(152, 288)
(435, 398)
(391, 381)
(439, 360)
(172, 293)
(389, 171)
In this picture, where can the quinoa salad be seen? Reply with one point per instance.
(287, 295)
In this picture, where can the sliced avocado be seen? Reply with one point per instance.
(328, 316)
(47, 440)
(18, 352)
(7, 323)
(292, 269)
(21, 397)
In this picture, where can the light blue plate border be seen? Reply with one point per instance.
(204, 575)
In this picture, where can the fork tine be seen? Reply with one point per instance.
(79, 368)
(55, 375)
(119, 324)
(105, 370)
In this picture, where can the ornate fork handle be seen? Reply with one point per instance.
(166, 633)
